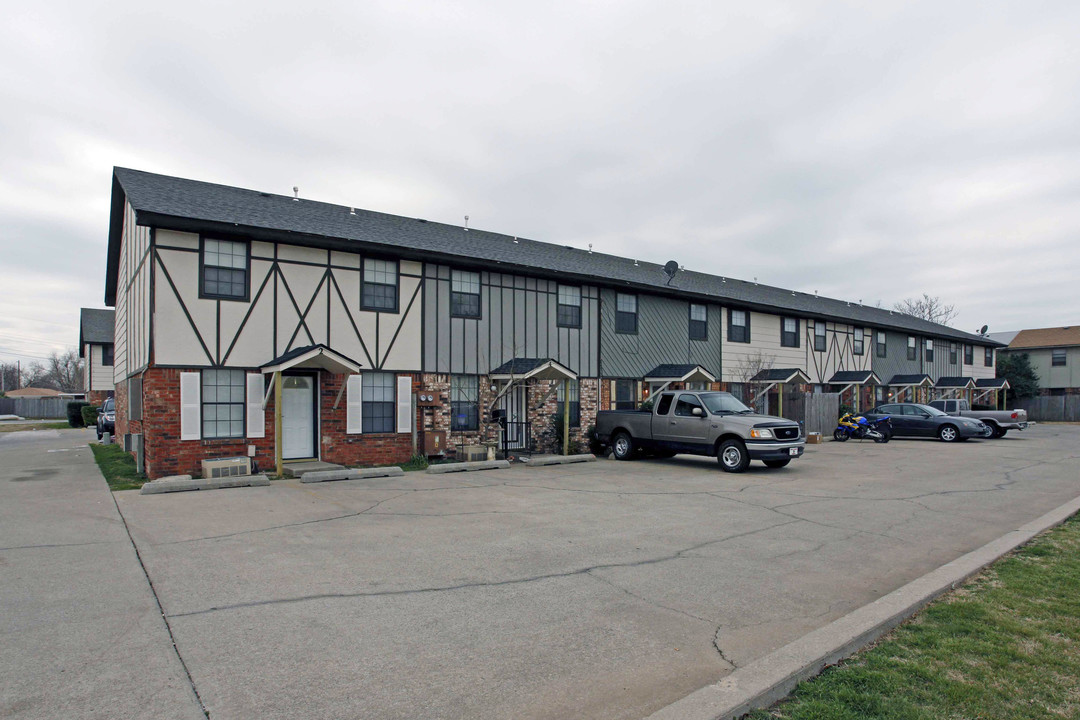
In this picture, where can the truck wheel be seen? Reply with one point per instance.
(999, 432)
(948, 433)
(776, 463)
(622, 445)
(732, 456)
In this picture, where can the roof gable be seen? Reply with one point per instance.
(1046, 337)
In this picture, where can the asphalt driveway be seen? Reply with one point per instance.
(602, 590)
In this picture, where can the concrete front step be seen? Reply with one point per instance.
(183, 483)
(541, 460)
(467, 466)
(350, 474)
(297, 469)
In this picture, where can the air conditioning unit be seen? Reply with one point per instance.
(473, 453)
(226, 467)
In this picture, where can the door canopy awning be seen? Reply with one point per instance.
(678, 373)
(911, 381)
(992, 384)
(855, 377)
(781, 375)
(955, 383)
(312, 357)
(520, 369)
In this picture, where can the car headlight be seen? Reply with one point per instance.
(761, 433)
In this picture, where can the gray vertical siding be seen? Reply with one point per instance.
(518, 319)
(663, 337)
(897, 363)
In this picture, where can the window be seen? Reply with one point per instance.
(1057, 357)
(969, 354)
(575, 402)
(738, 326)
(857, 342)
(626, 314)
(626, 394)
(988, 357)
(464, 402)
(685, 406)
(952, 353)
(929, 350)
(881, 347)
(911, 351)
(464, 294)
(699, 322)
(379, 290)
(222, 403)
(224, 269)
(569, 310)
(789, 332)
(378, 402)
(107, 355)
(819, 336)
(665, 404)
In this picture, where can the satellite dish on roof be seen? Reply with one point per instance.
(670, 269)
(984, 329)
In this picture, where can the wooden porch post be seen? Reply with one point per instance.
(277, 423)
(780, 400)
(566, 417)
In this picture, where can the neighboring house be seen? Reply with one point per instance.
(372, 325)
(96, 348)
(1055, 357)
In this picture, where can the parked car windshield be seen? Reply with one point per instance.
(108, 405)
(931, 410)
(721, 402)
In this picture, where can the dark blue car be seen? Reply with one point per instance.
(914, 420)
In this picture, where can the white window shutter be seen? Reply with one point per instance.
(190, 408)
(404, 404)
(354, 406)
(256, 416)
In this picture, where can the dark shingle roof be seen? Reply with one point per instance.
(910, 379)
(519, 366)
(672, 370)
(953, 382)
(192, 205)
(779, 375)
(854, 376)
(991, 383)
(95, 326)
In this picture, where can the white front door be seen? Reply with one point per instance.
(297, 417)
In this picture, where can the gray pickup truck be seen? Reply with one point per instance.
(701, 423)
(1000, 421)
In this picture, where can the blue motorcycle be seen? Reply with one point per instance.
(856, 426)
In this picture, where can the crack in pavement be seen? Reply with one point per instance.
(716, 644)
(466, 586)
(652, 603)
(60, 545)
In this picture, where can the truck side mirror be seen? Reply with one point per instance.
(697, 412)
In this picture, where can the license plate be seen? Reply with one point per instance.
(793, 451)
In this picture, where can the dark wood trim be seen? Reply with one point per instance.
(348, 314)
(183, 307)
(300, 315)
(251, 309)
(303, 316)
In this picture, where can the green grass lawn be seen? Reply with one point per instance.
(1004, 645)
(19, 427)
(118, 467)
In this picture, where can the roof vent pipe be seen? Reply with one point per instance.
(590, 248)
(466, 223)
(296, 193)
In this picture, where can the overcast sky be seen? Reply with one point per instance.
(869, 151)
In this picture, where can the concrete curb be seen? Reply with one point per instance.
(774, 676)
(468, 466)
(355, 474)
(558, 460)
(183, 483)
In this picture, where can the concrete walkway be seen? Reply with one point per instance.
(81, 635)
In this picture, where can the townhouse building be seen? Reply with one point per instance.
(248, 323)
(96, 350)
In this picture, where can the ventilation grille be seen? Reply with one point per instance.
(226, 467)
(786, 433)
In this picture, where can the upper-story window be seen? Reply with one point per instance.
(224, 269)
(789, 332)
(379, 291)
(988, 357)
(569, 310)
(912, 352)
(1057, 357)
(952, 353)
(738, 326)
(882, 350)
(929, 350)
(464, 294)
(107, 355)
(819, 336)
(626, 314)
(969, 354)
(699, 322)
(857, 344)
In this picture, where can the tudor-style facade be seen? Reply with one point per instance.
(376, 333)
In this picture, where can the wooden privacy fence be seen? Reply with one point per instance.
(816, 412)
(35, 407)
(1058, 408)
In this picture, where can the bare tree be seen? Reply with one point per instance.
(748, 368)
(929, 308)
(65, 371)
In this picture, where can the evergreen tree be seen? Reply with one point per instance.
(1016, 368)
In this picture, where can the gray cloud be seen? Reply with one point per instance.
(869, 152)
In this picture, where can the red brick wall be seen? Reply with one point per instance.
(365, 449)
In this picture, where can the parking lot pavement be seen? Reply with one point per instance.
(80, 633)
(600, 590)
